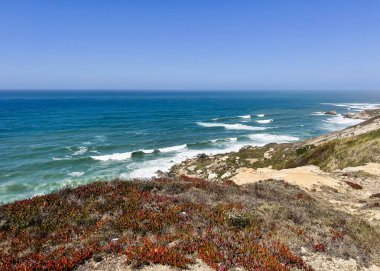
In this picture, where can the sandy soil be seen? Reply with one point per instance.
(321, 262)
(307, 176)
(118, 264)
(371, 168)
(331, 187)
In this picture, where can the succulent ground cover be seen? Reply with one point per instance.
(174, 221)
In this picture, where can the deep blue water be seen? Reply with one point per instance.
(53, 139)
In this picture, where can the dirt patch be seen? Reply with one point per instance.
(307, 177)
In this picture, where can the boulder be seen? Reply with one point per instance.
(191, 168)
(202, 156)
(212, 176)
(332, 113)
(226, 175)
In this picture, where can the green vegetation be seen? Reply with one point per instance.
(174, 221)
(341, 153)
(336, 154)
(275, 155)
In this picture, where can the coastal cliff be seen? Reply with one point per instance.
(320, 151)
(311, 205)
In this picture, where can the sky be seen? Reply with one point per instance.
(190, 44)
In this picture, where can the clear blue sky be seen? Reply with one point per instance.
(190, 44)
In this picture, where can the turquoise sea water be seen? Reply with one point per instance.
(53, 139)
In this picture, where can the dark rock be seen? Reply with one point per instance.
(97, 258)
(349, 115)
(202, 156)
(332, 113)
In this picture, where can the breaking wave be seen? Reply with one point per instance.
(338, 122)
(356, 106)
(114, 156)
(264, 121)
(236, 126)
(263, 139)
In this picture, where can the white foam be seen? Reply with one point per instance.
(149, 168)
(81, 150)
(260, 115)
(264, 121)
(114, 156)
(358, 106)
(61, 158)
(173, 148)
(318, 114)
(263, 139)
(339, 122)
(233, 117)
(146, 151)
(76, 173)
(127, 155)
(236, 126)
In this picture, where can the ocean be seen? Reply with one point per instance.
(52, 139)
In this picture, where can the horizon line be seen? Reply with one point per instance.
(173, 90)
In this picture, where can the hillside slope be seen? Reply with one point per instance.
(312, 205)
(181, 222)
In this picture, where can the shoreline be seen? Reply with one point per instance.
(363, 115)
(301, 206)
(76, 178)
(370, 123)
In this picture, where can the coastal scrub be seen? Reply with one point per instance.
(175, 222)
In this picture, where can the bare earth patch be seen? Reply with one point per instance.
(371, 168)
(323, 262)
(306, 177)
(329, 186)
(119, 264)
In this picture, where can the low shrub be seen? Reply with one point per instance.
(171, 222)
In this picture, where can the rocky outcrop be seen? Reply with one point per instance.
(332, 113)
(363, 115)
